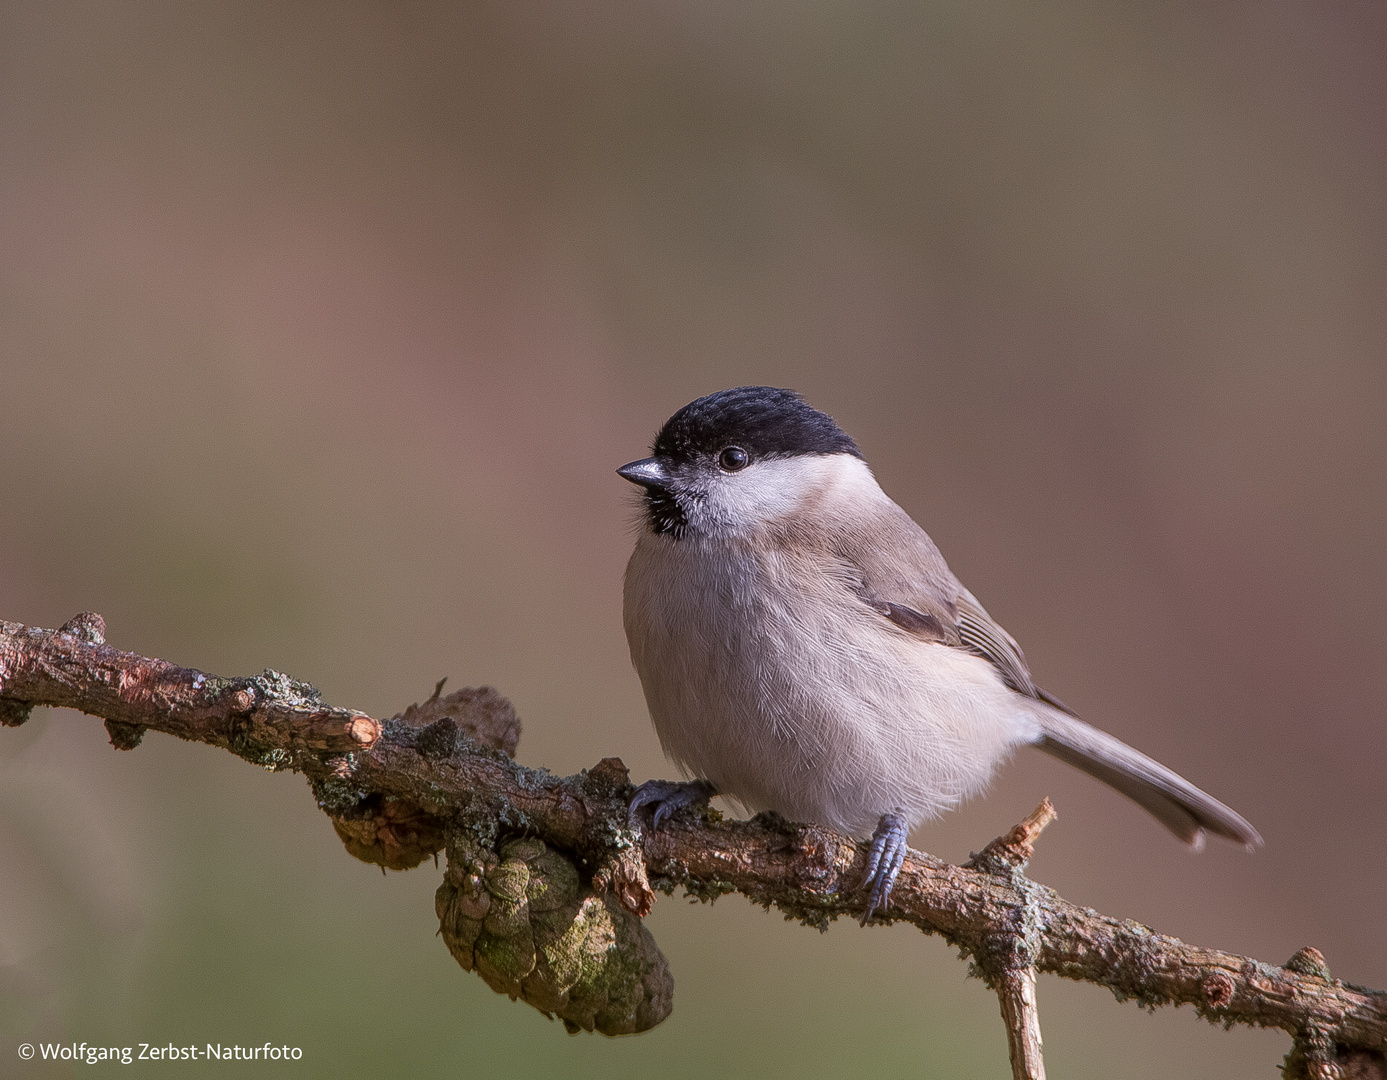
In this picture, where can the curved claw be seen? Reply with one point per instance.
(667, 796)
(884, 862)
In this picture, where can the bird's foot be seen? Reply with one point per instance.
(884, 862)
(667, 796)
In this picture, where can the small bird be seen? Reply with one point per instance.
(804, 648)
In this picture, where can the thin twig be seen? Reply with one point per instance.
(1016, 991)
(1008, 962)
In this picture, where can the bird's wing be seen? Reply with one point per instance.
(982, 634)
(897, 571)
(904, 577)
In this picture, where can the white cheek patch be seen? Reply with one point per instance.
(771, 489)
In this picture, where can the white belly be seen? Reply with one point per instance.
(767, 676)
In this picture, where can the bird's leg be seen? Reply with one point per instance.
(667, 796)
(884, 861)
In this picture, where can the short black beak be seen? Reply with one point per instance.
(648, 473)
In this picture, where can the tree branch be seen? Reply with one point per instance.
(435, 777)
(1010, 963)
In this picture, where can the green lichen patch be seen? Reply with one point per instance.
(275, 760)
(522, 919)
(125, 736)
(14, 713)
(337, 793)
(705, 892)
(288, 691)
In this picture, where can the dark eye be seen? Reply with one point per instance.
(734, 458)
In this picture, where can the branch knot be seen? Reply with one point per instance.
(1008, 855)
(85, 626)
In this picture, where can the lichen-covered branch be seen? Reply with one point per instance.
(402, 789)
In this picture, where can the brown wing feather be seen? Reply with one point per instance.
(905, 577)
(917, 622)
(896, 564)
(982, 634)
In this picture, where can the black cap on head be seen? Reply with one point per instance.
(763, 420)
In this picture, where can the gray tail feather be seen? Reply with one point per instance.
(1169, 797)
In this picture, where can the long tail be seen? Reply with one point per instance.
(1169, 797)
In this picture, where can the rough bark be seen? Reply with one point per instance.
(412, 783)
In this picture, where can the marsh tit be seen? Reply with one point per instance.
(804, 648)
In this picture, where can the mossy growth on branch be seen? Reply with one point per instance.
(523, 920)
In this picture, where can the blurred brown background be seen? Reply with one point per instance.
(325, 325)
